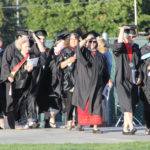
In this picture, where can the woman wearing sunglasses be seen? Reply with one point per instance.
(91, 77)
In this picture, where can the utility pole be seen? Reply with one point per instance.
(18, 15)
(135, 13)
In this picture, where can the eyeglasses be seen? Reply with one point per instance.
(92, 41)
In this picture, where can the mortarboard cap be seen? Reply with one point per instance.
(22, 32)
(41, 33)
(147, 30)
(78, 31)
(60, 36)
(91, 32)
(65, 35)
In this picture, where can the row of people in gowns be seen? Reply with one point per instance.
(77, 71)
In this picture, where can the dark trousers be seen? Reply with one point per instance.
(31, 108)
(11, 119)
(20, 105)
(69, 106)
(146, 112)
(10, 107)
(147, 118)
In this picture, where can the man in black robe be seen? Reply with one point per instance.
(8, 55)
(127, 57)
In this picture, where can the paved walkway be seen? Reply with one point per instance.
(61, 135)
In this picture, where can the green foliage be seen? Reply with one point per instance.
(102, 16)
(1, 16)
(9, 22)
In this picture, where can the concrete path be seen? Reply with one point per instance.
(61, 135)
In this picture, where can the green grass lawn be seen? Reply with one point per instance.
(121, 146)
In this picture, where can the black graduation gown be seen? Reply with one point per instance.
(66, 76)
(91, 77)
(145, 86)
(31, 91)
(36, 75)
(8, 55)
(21, 85)
(47, 84)
(127, 91)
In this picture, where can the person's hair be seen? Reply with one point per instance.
(101, 45)
(67, 41)
(20, 42)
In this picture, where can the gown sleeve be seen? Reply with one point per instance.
(6, 62)
(80, 57)
(116, 48)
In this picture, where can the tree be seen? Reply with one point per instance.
(57, 16)
(9, 21)
(54, 18)
(1, 16)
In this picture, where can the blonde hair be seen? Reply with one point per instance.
(20, 42)
(101, 45)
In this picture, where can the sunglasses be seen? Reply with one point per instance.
(133, 37)
(92, 41)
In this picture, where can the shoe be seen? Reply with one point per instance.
(69, 126)
(133, 131)
(147, 131)
(47, 125)
(74, 125)
(126, 133)
(53, 125)
(97, 131)
(79, 128)
(33, 125)
(26, 126)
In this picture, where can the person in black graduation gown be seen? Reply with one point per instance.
(8, 55)
(21, 81)
(66, 62)
(145, 85)
(47, 100)
(127, 57)
(2, 90)
(91, 78)
(37, 51)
